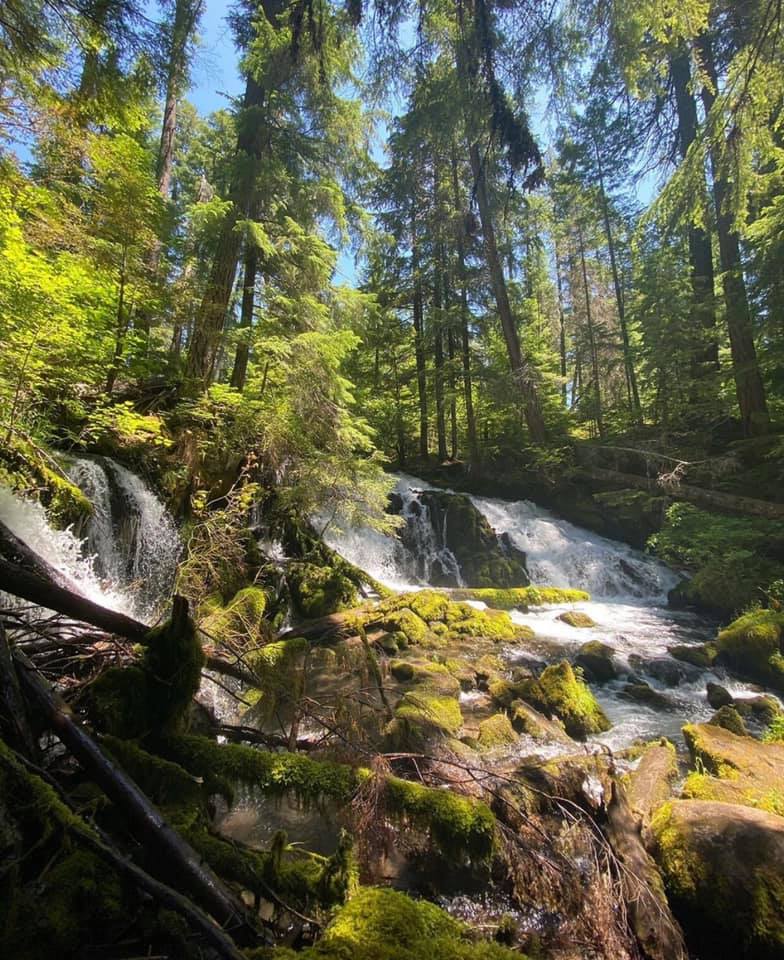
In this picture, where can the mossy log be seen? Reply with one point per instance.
(176, 857)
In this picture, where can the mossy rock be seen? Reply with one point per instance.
(729, 718)
(650, 784)
(520, 598)
(240, 621)
(697, 654)
(597, 659)
(504, 692)
(754, 646)
(496, 731)
(735, 768)
(762, 709)
(526, 720)
(576, 618)
(721, 865)
(645, 694)
(28, 470)
(561, 692)
(422, 716)
(718, 696)
(317, 591)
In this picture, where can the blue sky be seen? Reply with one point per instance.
(215, 74)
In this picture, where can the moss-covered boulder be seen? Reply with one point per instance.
(729, 718)
(521, 598)
(721, 865)
(754, 646)
(527, 720)
(734, 768)
(496, 731)
(240, 621)
(429, 710)
(597, 659)
(560, 692)
(576, 618)
(697, 654)
(382, 924)
(318, 590)
(651, 783)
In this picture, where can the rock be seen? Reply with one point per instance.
(575, 618)
(650, 784)
(511, 598)
(496, 731)
(664, 669)
(753, 645)
(729, 718)
(735, 768)
(527, 720)
(402, 671)
(559, 692)
(597, 659)
(718, 696)
(721, 865)
(762, 709)
(697, 654)
(644, 693)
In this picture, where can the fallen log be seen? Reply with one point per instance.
(100, 844)
(43, 591)
(14, 722)
(656, 930)
(716, 499)
(15, 550)
(177, 859)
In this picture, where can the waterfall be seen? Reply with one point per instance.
(124, 555)
(558, 553)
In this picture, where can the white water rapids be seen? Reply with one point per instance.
(629, 595)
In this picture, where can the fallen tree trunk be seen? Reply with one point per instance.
(97, 841)
(729, 502)
(649, 915)
(16, 551)
(14, 723)
(177, 858)
(46, 593)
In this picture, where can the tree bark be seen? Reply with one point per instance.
(240, 371)
(438, 357)
(706, 356)
(419, 345)
(748, 380)
(521, 371)
(591, 337)
(628, 360)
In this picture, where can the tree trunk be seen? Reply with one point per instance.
(521, 371)
(748, 380)
(628, 361)
(419, 345)
(706, 356)
(242, 355)
(591, 338)
(465, 333)
(561, 328)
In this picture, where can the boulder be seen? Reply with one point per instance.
(721, 865)
(560, 692)
(644, 693)
(734, 768)
(729, 718)
(718, 696)
(496, 731)
(576, 618)
(753, 645)
(697, 654)
(525, 719)
(650, 784)
(671, 672)
(597, 659)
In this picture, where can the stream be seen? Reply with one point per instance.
(628, 606)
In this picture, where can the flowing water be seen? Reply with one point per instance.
(628, 605)
(124, 556)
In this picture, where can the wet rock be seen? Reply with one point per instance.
(559, 692)
(650, 784)
(597, 659)
(496, 731)
(721, 864)
(762, 709)
(666, 670)
(575, 618)
(697, 654)
(718, 696)
(525, 719)
(729, 718)
(644, 693)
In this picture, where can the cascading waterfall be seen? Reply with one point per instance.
(123, 556)
(628, 607)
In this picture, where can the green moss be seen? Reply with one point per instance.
(405, 621)
(240, 621)
(496, 731)
(279, 667)
(775, 732)
(560, 691)
(521, 597)
(752, 645)
(318, 590)
(729, 718)
(422, 715)
(153, 695)
(574, 618)
(28, 470)
(504, 692)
